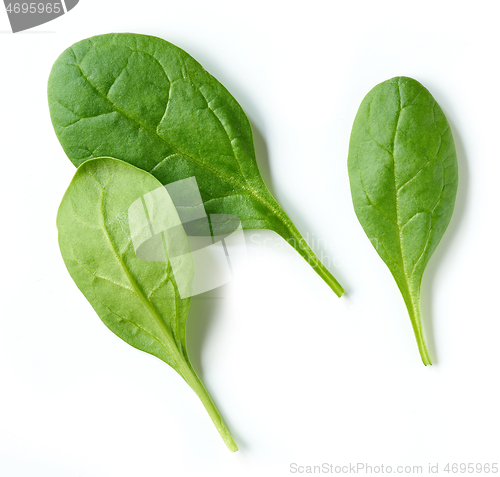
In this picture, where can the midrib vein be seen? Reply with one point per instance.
(135, 286)
(176, 150)
(396, 208)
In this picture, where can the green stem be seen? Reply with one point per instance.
(413, 306)
(197, 386)
(295, 239)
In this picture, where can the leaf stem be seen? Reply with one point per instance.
(413, 307)
(197, 386)
(291, 235)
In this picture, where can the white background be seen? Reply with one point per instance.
(299, 375)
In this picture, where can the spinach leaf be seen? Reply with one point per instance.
(136, 299)
(143, 100)
(403, 173)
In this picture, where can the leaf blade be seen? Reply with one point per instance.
(144, 101)
(137, 299)
(403, 174)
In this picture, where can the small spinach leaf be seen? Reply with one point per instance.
(138, 300)
(403, 173)
(143, 100)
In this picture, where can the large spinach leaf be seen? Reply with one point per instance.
(143, 100)
(138, 300)
(404, 175)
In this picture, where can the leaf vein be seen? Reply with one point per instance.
(177, 150)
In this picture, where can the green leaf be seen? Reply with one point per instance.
(136, 299)
(143, 100)
(404, 175)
